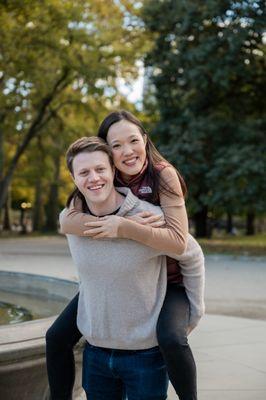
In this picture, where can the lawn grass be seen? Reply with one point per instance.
(241, 245)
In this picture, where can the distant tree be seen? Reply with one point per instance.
(208, 68)
(56, 55)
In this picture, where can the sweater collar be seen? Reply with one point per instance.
(129, 203)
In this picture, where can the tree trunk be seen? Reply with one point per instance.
(201, 223)
(38, 212)
(229, 223)
(6, 218)
(1, 152)
(4, 186)
(1, 162)
(52, 208)
(250, 223)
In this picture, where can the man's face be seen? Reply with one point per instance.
(93, 176)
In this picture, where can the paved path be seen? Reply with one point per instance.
(230, 352)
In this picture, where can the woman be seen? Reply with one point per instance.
(121, 358)
(150, 177)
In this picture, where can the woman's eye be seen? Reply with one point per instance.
(115, 146)
(101, 169)
(134, 140)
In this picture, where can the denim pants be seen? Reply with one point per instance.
(124, 374)
(172, 337)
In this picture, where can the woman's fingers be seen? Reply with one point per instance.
(157, 224)
(94, 224)
(103, 227)
(154, 219)
(144, 214)
(93, 231)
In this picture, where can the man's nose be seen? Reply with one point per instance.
(94, 176)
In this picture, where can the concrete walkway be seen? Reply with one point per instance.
(230, 352)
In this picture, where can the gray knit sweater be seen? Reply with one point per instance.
(123, 285)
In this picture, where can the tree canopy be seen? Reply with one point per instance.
(208, 69)
(60, 61)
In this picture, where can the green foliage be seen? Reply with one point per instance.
(208, 68)
(59, 65)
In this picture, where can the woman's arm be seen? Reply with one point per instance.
(72, 220)
(173, 237)
(170, 239)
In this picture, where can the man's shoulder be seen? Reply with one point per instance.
(133, 205)
(143, 205)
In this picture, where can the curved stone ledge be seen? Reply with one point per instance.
(22, 346)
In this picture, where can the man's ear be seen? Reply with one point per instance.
(72, 176)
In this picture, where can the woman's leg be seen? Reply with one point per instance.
(172, 330)
(61, 337)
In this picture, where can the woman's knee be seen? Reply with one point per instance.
(53, 335)
(172, 342)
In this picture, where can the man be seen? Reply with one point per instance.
(122, 288)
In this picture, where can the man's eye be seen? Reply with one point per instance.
(115, 146)
(101, 169)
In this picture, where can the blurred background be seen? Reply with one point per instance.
(194, 74)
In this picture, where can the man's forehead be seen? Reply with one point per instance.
(90, 159)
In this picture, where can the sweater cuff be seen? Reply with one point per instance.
(193, 321)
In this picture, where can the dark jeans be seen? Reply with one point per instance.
(118, 375)
(172, 337)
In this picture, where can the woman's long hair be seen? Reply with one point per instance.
(153, 156)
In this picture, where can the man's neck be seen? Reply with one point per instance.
(107, 207)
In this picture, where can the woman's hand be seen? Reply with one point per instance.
(105, 227)
(147, 218)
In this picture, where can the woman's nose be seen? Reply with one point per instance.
(127, 149)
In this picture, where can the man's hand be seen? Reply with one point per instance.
(147, 218)
(105, 227)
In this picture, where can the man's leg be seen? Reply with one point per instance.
(99, 379)
(61, 337)
(172, 337)
(144, 375)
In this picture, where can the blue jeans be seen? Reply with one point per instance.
(124, 374)
(172, 337)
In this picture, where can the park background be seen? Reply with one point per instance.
(192, 72)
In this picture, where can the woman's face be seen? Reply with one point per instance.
(128, 148)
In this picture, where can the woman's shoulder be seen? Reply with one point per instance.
(160, 166)
(166, 171)
(169, 178)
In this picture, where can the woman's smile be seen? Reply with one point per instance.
(128, 147)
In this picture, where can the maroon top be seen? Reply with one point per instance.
(141, 186)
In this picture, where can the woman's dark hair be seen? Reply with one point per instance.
(84, 145)
(153, 155)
